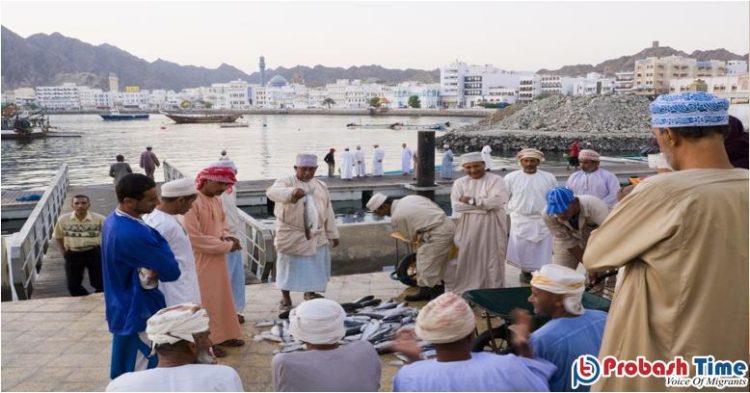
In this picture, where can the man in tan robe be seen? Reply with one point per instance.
(421, 220)
(482, 229)
(305, 231)
(211, 239)
(681, 241)
(571, 219)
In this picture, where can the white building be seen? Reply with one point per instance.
(506, 95)
(88, 97)
(428, 95)
(528, 88)
(736, 67)
(733, 87)
(63, 97)
(624, 82)
(465, 86)
(550, 84)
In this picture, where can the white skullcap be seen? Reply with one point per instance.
(471, 157)
(178, 188)
(306, 160)
(225, 163)
(530, 153)
(445, 146)
(317, 321)
(446, 319)
(588, 155)
(376, 201)
(172, 324)
(561, 280)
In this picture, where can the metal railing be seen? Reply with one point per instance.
(258, 251)
(25, 249)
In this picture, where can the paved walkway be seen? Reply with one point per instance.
(62, 344)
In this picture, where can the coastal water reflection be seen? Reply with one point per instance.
(259, 151)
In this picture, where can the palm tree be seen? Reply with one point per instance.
(329, 101)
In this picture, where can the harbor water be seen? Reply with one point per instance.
(266, 149)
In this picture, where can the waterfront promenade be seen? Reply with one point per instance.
(62, 343)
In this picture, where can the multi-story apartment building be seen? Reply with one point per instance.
(63, 97)
(550, 84)
(528, 88)
(624, 82)
(736, 88)
(508, 95)
(652, 75)
(465, 86)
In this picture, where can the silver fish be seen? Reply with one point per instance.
(370, 329)
(265, 323)
(308, 215)
(430, 353)
(355, 337)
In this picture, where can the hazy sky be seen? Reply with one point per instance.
(510, 35)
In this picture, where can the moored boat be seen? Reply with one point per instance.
(117, 116)
(186, 118)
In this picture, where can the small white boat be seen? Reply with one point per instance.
(234, 125)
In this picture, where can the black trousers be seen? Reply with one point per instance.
(75, 264)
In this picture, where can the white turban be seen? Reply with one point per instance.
(471, 157)
(224, 163)
(530, 153)
(446, 319)
(176, 323)
(306, 160)
(178, 188)
(317, 321)
(588, 155)
(376, 201)
(561, 280)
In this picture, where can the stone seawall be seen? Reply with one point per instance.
(514, 140)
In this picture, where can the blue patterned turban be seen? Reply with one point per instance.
(689, 109)
(558, 200)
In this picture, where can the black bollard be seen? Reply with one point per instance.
(426, 163)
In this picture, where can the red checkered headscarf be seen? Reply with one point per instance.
(217, 174)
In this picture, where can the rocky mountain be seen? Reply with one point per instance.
(43, 59)
(627, 63)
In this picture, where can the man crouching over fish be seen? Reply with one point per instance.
(304, 226)
(325, 366)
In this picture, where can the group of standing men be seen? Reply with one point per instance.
(180, 248)
(353, 163)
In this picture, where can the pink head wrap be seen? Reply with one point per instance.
(446, 319)
(217, 174)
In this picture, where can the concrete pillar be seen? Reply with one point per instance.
(426, 163)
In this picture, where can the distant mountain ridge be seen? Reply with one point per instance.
(627, 63)
(44, 60)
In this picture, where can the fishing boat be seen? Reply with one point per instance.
(187, 118)
(115, 115)
(393, 126)
(26, 126)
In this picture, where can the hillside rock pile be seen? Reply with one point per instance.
(611, 122)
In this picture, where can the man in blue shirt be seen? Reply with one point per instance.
(134, 256)
(556, 292)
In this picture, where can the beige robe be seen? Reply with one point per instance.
(481, 233)
(290, 223)
(206, 224)
(681, 240)
(417, 217)
(564, 237)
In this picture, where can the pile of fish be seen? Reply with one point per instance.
(367, 319)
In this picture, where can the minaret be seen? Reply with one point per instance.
(262, 71)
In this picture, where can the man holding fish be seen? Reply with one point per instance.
(305, 226)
